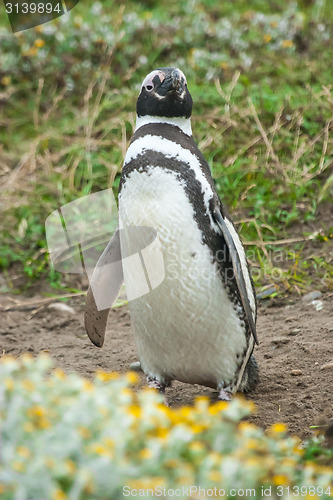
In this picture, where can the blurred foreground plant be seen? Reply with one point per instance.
(63, 436)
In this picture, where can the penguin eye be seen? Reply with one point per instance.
(149, 87)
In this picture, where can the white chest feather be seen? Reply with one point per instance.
(186, 328)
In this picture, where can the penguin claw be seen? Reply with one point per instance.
(224, 395)
(155, 384)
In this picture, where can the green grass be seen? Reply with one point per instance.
(260, 78)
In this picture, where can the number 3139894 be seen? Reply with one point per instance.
(31, 8)
(304, 491)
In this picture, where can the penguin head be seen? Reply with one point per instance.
(164, 93)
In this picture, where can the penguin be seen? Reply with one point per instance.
(198, 326)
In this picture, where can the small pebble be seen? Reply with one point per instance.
(266, 293)
(309, 297)
(296, 373)
(327, 366)
(295, 331)
(136, 366)
(280, 340)
(290, 319)
(60, 306)
(318, 304)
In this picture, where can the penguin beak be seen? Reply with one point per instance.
(173, 82)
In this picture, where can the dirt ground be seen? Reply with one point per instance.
(295, 355)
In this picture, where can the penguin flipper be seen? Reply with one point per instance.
(105, 284)
(220, 219)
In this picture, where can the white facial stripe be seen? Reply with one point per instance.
(183, 123)
(173, 150)
(149, 78)
(241, 253)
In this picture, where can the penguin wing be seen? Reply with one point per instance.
(225, 225)
(105, 284)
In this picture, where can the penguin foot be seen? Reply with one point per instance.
(224, 395)
(155, 384)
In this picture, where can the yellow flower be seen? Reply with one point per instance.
(135, 410)
(125, 391)
(109, 443)
(172, 463)
(30, 52)
(185, 411)
(2, 488)
(286, 44)
(162, 432)
(59, 495)
(44, 423)
(196, 446)
(49, 462)
(201, 402)
(28, 427)
(146, 483)
(215, 476)
(39, 43)
(289, 462)
(27, 358)
(146, 453)
(106, 377)
(18, 466)
(251, 444)
(87, 386)
(84, 432)
(71, 467)
(273, 24)
(253, 462)
(196, 428)
(103, 411)
(217, 407)
(89, 486)
(39, 29)
(101, 450)
(278, 428)
(246, 426)
(7, 359)
(59, 374)
(36, 411)
(215, 457)
(23, 451)
(28, 385)
(280, 480)
(132, 377)
(9, 384)
(267, 37)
